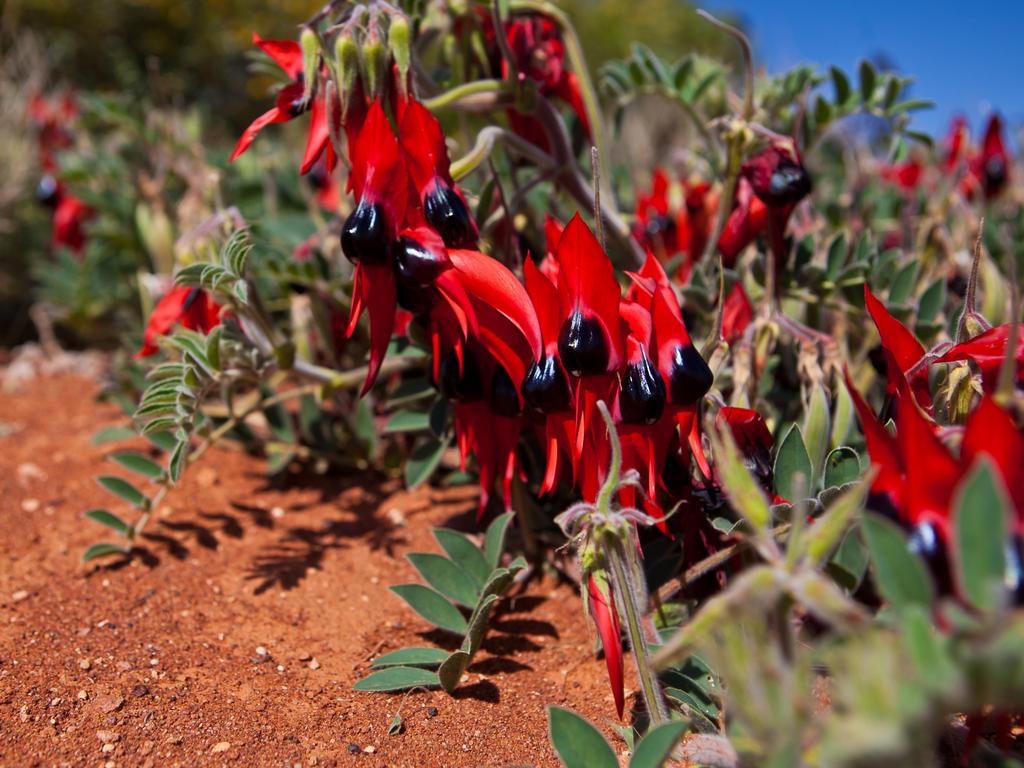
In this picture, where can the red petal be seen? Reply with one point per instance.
(374, 288)
(737, 313)
(508, 324)
(587, 283)
(286, 54)
(552, 233)
(899, 342)
(378, 172)
(165, 315)
(544, 296)
(881, 447)
(606, 619)
(991, 431)
(423, 143)
(987, 350)
(274, 115)
(317, 138)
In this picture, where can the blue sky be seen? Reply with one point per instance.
(967, 57)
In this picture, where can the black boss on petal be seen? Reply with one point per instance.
(925, 542)
(691, 378)
(642, 393)
(416, 264)
(661, 227)
(582, 345)
(504, 398)
(48, 191)
(546, 386)
(789, 183)
(364, 238)
(446, 212)
(464, 387)
(995, 174)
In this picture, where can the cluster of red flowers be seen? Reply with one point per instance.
(982, 171)
(917, 474)
(51, 119)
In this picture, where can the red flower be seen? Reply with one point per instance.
(290, 104)
(675, 219)
(902, 347)
(987, 350)
(956, 143)
(747, 221)
(737, 313)
(905, 175)
(189, 307)
(990, 168)
(69, 217)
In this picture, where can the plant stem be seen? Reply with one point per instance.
(627, 595)
(452, 97)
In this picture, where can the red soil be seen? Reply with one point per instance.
(155, 662)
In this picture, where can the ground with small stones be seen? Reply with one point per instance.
(237, 635)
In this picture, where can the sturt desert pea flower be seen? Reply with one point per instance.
(746, 222)
(51, 119)
(538, 51)
(902, 347)
(292, 101)
(591, 342)
(737, 313)
(917, 475)
(905, 175)
(780, 181)
(380, 184)
(987, 351)
(444, 206)
(69, 217)
(676, 218)
(183, 305)
(957, 140)
(989, 168)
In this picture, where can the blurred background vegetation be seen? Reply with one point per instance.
(191, 56)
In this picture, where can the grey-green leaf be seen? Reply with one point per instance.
(121, 487)
(113, 435)
(980, 519)
(578, 743)
(407, 421)
(110, 520)
(464, 553)
(398, 679)
(494, 541)
(423, 461)
(411, 657)
(793, 474)
(899, 574)
(137, 463)
(432, 607)
(841, 466)
(446, 577)
(656, 747)
(452, 669)
(103, 550)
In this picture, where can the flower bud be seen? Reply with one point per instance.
(399, 45)
(347, 64)
(309, 42)
(376, 60)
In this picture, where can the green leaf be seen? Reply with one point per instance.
(464, 553)
(903, 284)
(817, 425)
(162, 439)
(411, 657)
(842, 466)
(407, 421)
(494, 540)
(867, 81)
(932, 301)
(742, 490)
(432, 607)
(899, 574)
(446, 577)
(451, 670)
(793, 476)
(110, 520)
(179, 457)
(423, 461)
(398, 679)
(113, 435)
(820, 540)
(578, 743)
(850, 561)
(981, 520)
(836, 256)
(478, 625)
(103, 550)
(682, 72)
(911, 105)
(124, 489)
(137, 463)
(841, 83)
(656, 747)
(411, 390)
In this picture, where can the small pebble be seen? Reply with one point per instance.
(370, 749)
(314, 664)
(431, 711)
(277, 512)
(84, 664)
(108, 748)
(139, 691)
(30, 505)
(108, 736)
(262, 655)
(21, 594)
(354, 749)
(221, 746)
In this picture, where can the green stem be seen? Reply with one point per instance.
(458, 93)
(626, 594)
